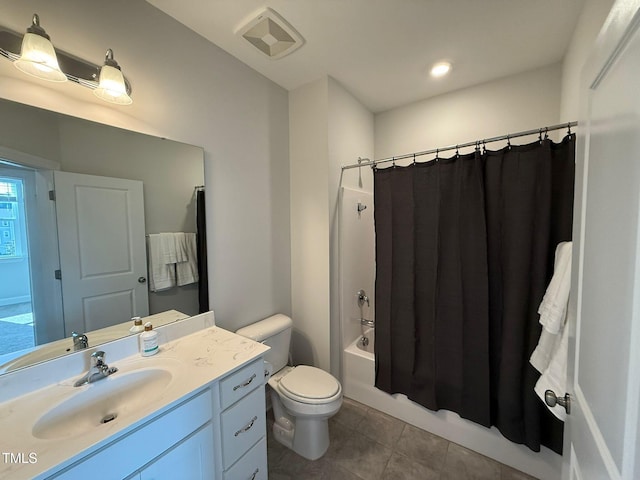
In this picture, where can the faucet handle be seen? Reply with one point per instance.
(97, 358)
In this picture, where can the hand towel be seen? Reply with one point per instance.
(187, 271)
(161, 274)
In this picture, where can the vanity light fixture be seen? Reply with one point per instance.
(39, 58)
(111, 86)
(440, 69)
(37, 55)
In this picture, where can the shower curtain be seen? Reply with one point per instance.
(201, 239)
(464, 251)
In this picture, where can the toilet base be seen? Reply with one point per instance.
(311, 437)
(308, 436)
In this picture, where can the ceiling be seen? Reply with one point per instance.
(381, 50)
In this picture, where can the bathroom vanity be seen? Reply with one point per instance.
(195, 410)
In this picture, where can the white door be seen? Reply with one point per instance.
(103, 259)
(604, 362)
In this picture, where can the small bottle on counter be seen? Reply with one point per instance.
(148, 341)
(137, 325)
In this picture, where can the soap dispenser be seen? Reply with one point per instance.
(148, 341)
(137, 325)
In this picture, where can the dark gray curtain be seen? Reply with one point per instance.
(464, 251)
(201, 239)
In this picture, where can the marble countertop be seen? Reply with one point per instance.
(194, 360)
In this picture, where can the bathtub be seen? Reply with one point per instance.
(358, 383)
(359, 368)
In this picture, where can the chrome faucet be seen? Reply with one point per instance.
(97, 371)
(80, 341)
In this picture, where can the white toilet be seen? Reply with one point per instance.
(303, 397)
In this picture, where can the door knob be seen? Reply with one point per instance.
(141, 280)
(551, 399)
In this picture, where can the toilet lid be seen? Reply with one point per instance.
(309, 382)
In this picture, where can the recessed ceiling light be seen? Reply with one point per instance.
(440, 69)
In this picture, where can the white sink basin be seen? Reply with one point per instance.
(99, 403)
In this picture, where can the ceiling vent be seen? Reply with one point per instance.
(271, 34)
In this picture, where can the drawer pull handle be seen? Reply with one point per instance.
(253, 477)
(247, 426)
(242, 385)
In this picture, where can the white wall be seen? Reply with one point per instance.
(584, 36)
(308, 151)
(520, 102)
(328, 128)
(351, 131)
(186, 89)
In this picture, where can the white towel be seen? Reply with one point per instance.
(553, 308)
(187, 271)
(168, 250)
(555, 376)
(181, 247)
(550, 356)
(161, 273)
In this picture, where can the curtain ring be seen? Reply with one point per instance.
(414, 158)
(540, 135)
(569, 129)
(457, 152)
(477, 145)
(546, 133)
(508, 141)
(484, 146)
(393, 162)
(437, 152)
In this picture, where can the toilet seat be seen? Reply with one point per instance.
(310, 385)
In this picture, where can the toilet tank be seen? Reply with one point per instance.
(274, 332)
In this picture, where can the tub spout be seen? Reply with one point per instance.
(367, 323)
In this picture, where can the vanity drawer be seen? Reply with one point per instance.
(237, 385)
(253, 466)
(242, 426)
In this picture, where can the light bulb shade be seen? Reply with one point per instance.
(111, 86)
(38, 58)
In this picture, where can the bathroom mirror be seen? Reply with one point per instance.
(37, 145)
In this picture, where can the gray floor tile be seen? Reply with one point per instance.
(509, 473)
(350, 414)
(339, 438)
(364, 457)
(421, 446)
(464, 464)
(288, 465)
(366, 444)
(325, 469)
(400, 467)
(380, 427)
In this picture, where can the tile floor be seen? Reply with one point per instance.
(366, 444)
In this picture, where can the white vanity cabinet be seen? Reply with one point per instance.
(243, 424)
(217, 433)
(191, 458)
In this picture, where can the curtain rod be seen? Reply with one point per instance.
(540, 131)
